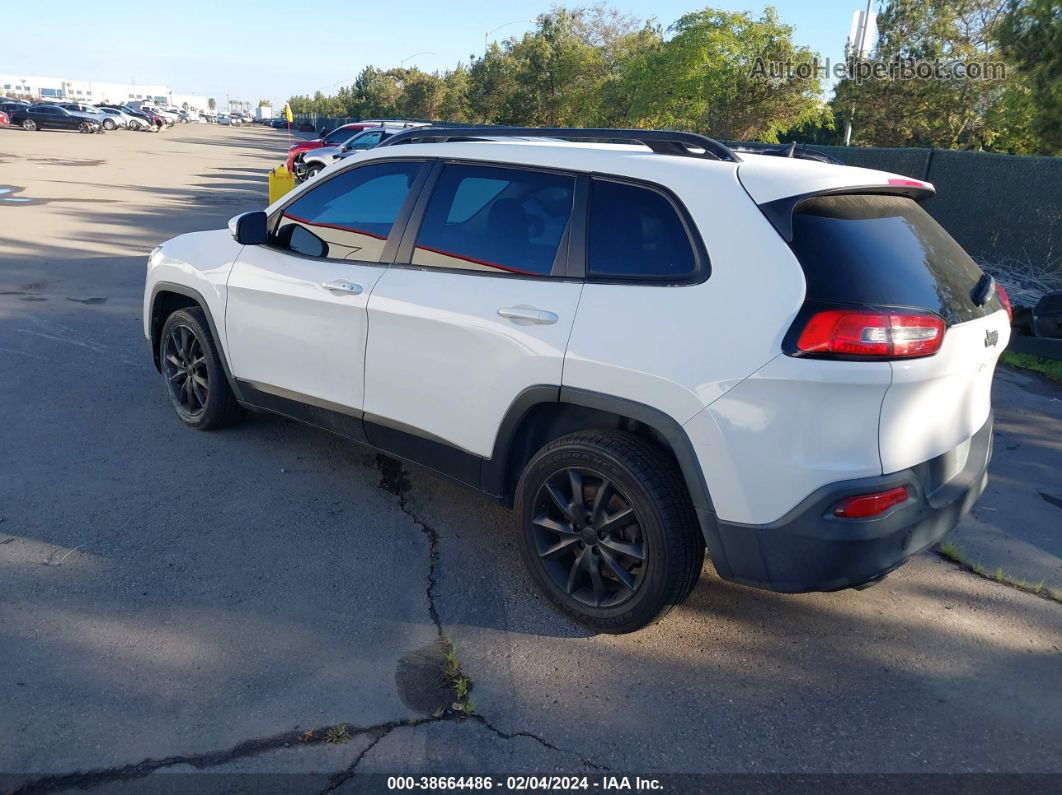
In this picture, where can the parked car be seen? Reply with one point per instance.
(138, 119)
(787, 360)
(277, 124)
(4, 120)
(327, 138)
(314, 161)
(53, 117)
(87, 110)
(224, 118)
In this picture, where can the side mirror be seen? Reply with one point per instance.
(249, 228)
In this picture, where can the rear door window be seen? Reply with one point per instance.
(636, 233)
(867, 249)
(497, 220)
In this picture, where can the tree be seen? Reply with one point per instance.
(212, 103)
(265, 103)
(709, 77)
(1030, 36)
(945, 113)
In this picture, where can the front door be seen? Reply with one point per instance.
(296, 311)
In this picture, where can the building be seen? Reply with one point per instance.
(93, 92)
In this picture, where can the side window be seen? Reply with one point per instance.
(367, 141)
(349, 216)
(498, 220)
(336, 137)
(636, 233)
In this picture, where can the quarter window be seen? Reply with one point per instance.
(496, 220)
(636, 233)
(349, 216)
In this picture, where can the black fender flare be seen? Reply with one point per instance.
(670, 430)
(195, 295)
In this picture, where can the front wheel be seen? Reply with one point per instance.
(195, 378)
(86, 127)
(29, 124)
(313, 170)
(108, 124)
(607, 530)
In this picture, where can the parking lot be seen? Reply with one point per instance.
(174, 601)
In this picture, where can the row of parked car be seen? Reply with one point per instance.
(89, 118)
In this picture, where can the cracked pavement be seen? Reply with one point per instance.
(174, 602)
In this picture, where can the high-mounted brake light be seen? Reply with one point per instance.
(1005, 300)
(855, 332)
(867, 505)
(906, 183)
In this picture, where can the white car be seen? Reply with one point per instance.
(642, 342)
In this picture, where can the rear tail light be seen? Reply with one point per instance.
(1005, 300)
(867, 505)
(887, 335)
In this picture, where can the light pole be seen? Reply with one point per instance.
(495, 30)
(402, 63)
(859, 54)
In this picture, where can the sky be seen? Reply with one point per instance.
(268, 49)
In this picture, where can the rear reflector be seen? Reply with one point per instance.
(853, 332)
(906, 183)
(866, 505)
(1005, 300)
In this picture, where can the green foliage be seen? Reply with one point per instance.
(1010, 114)
(1030, 36)
(212, 103)
(265, 103)
(595, 66)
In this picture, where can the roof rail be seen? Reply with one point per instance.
(800, 152)
(662, 142)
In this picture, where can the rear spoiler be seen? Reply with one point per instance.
(780, 211)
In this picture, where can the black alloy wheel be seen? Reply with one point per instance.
(589, 538)
(86, 127)
(184, 365)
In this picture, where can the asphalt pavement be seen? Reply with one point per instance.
(174, 602)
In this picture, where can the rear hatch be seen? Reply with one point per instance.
(883, 251)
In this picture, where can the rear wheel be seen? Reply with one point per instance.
(108, 124)
(86, 127)
(29, 124)
(195, 378)
(607, 529)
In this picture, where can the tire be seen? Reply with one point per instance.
(108, 124)
(29, 125)
(661, 528)
(85, 127)
(195, 378)
(313, 170)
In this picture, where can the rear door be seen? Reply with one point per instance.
(476, 309)
(885, 250)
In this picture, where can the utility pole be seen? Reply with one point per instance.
(859, 54)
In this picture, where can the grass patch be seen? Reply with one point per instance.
(1047, 367)
(949, 551)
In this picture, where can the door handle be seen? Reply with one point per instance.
(344, 287)
(524, 315)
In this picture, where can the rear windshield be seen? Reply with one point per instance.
(867, 249)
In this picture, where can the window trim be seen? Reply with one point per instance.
(702, 263)
(387, 256)
(561, 270)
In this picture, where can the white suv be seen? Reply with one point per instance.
(641, 341)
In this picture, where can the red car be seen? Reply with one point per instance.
(333, 138)
(4, 120)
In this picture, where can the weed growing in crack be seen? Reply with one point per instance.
(459, 683)
(338, 734)
(949, 551)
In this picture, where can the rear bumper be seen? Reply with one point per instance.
(811, 550)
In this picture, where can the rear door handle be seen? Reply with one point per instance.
(524, 315)
(344, 287)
